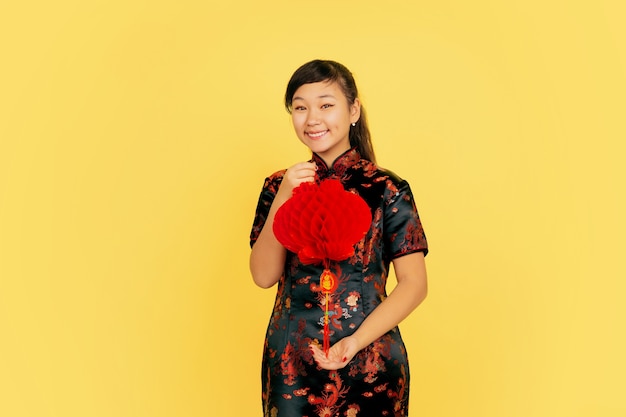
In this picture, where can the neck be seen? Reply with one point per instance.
(330, 159)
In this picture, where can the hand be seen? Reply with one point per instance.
(296, 175)
(339, 354)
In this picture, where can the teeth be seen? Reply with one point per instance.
(317, 135)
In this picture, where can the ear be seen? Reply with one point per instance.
(355, 111)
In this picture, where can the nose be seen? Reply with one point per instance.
(312, 118)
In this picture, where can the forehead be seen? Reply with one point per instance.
(322, 89)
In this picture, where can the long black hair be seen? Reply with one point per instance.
(322, 70)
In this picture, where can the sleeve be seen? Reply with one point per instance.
(268, 193)
(402, 229)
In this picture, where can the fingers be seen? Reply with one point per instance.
(301, 172)
(296, 175)
(336, 358)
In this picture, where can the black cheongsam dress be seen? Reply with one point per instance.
(375, 382)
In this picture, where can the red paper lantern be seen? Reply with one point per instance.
(322, 222)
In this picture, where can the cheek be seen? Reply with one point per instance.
(339, 118)
(297, 120)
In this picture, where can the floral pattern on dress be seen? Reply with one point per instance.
(376, 381)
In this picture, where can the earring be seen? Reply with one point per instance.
(354, 124)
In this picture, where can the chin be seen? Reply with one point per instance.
(316, 147)
(319, 150)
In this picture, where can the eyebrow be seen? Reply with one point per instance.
(322, 96)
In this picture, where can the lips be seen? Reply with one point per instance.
(316, 135)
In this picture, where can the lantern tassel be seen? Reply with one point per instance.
(326, 329)
(329, 283)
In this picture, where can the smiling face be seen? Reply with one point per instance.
(321, 116)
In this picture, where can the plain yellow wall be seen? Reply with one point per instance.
(134, 140)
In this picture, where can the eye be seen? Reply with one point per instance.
(299, 108)
(327, 105)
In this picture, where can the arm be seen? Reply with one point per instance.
(406, 296)
(267, 258)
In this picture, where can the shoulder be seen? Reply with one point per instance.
(377, 185)
(277, 176)
(378, 174)
(395, 187)
(272, 182)
(390, 176)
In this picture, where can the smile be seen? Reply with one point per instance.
(316, 135)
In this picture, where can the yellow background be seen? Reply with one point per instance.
(134, 140)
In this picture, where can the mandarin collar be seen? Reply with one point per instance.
(339, 165)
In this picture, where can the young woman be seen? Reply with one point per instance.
(365, 372)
